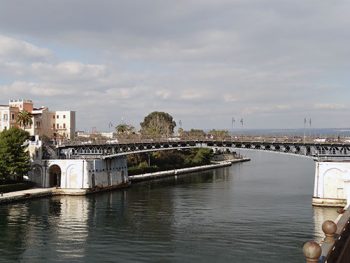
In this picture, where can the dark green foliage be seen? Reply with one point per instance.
(124, 129)
(202, 156)
(167, 160)
(141, 170)
(14, 159)
(158, 124)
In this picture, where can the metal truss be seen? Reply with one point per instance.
(104, 151)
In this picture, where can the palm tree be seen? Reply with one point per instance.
(24, 118)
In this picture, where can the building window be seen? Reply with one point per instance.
(64, 116)
(53, 116)
(64, 125)
(53, 126)
(58, 126)
(13, 116)
(6, 117)
(58, 117)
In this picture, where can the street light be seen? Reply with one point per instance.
(233, 124)
(304, 130)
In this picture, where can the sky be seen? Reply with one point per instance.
(272, 63)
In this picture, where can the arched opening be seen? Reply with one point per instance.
(54, 176)
(333, 181)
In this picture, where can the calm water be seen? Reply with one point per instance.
(253, 212)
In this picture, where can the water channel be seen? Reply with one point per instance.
(258, 211)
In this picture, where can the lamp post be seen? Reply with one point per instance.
(233, 124)
(304, 130)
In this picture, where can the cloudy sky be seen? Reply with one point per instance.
(270, 62)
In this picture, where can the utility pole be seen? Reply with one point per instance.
(304, 130)
(233, 124)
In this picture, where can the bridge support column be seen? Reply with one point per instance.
(329, 185)
(347, 190)
(86, 174)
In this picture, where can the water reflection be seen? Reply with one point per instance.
(253, 212)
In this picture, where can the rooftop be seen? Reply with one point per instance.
(20, 100)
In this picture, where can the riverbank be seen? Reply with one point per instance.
(174, 172)
(34, 193)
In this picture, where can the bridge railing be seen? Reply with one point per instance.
(266, 139)
(335, 248)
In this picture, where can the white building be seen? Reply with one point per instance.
(52, 124)
(63, 123)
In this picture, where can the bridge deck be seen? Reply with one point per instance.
(106, 150)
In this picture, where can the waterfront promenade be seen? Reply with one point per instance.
(37, 193)
(26, 194)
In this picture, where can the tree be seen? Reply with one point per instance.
(14, 158)
(158, 124)
(219, 134)
(202, 156)
(24, 118)
(124, 128)
(194, 134)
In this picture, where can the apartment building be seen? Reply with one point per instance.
(52, 124)
(63, 123)
(7, 117)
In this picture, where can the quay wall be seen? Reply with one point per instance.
(169, 173)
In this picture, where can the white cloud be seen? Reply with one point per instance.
(19, 89)
(68, 70)
(15, 49)
(330, 106)
(193, 94)
(202, 60)
(230, 98)
(163, 94)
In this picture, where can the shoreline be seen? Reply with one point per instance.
(34, 193)
(175, 172)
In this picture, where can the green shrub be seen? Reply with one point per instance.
(168, 160)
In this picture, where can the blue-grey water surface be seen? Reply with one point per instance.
(258, 211)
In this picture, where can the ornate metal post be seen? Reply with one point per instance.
(312, 251)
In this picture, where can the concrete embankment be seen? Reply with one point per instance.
(169, 173)
(23, 195)
(26, 194)
(46, 192)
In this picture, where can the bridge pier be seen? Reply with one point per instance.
(87, 174)
(330, 187)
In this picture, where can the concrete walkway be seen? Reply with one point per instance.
(26, 194)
